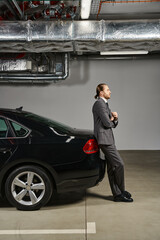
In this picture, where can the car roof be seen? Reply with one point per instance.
(10, 110)
(16, 111)
(20, 116)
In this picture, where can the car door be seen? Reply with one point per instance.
(13, 137)
(7, 146)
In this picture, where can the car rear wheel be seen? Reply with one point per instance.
(28, 188)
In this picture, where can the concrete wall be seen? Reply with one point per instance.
(135, 86)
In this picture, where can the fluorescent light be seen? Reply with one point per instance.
(123, 52)
(85, 8)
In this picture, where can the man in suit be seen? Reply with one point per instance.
(104, 121)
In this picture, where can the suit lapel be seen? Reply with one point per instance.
(110, 114)
(107, 106)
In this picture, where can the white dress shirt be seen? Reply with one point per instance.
(104, 99)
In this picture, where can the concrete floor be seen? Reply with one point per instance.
(70, 212)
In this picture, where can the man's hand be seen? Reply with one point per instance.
(112, 119)
(114, 116)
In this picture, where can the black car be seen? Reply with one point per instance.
(38, 155)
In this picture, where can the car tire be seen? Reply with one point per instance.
(28, 188)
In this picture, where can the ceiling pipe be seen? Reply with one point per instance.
(14, 3)
(80, 36)
(85, 8)
(10, 6)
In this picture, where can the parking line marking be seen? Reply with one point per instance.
(91, 229)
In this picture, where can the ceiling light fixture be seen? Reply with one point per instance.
(123, 52)
(85, 8)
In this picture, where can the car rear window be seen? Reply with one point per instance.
(59, 127)
(19, 130)
(3, 128)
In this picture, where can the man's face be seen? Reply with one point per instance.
(106, 93)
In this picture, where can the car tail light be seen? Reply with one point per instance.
(91, 146)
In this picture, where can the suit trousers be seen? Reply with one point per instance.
(115, 168)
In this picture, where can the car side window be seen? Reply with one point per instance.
(19, 130)
(3, 128)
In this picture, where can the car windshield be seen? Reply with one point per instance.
(57, 126)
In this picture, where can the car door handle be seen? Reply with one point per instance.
(4, 150)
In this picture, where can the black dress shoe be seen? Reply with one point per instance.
(122, 198)
(126, 194)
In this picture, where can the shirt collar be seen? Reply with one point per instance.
(105, 100)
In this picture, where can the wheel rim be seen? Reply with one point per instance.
(28, 188)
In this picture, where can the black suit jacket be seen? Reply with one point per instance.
(102, 124)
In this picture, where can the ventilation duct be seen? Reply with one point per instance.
(35, 68)
(79, 36)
